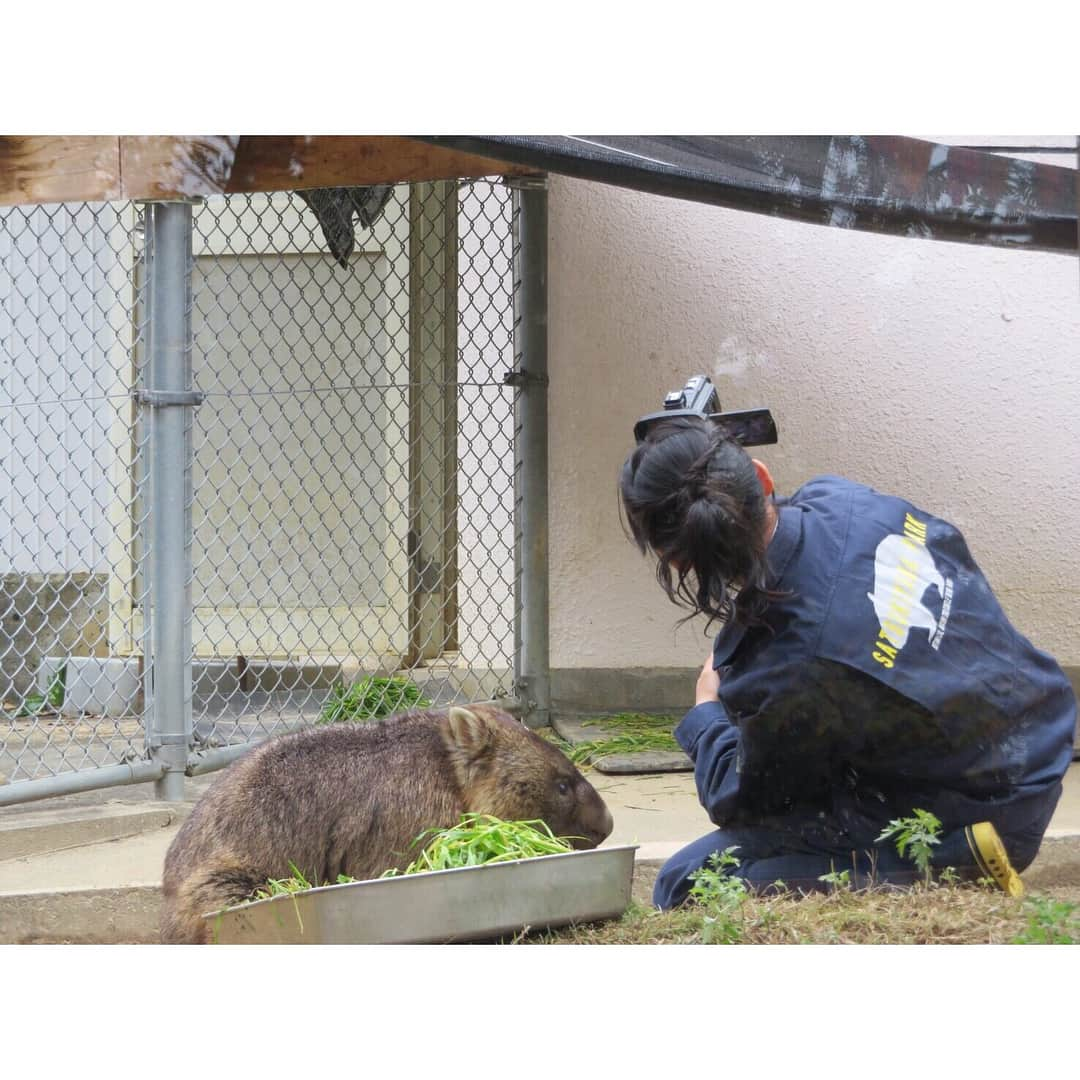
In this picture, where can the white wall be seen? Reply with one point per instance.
(944, 372)
(60, 268)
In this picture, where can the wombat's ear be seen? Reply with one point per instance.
(467, 733)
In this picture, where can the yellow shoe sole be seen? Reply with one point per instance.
(992, 857)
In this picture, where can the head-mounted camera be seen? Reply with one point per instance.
(750, 427)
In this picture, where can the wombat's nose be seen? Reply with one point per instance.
(602, 830)
(595, 832)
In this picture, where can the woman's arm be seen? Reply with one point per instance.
(712, 743)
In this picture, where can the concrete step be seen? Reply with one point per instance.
(122, 916)
(108, 891)
(47, 831)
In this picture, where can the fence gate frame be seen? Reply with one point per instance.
(167, 403)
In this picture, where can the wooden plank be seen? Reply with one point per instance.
(95, 168)
(175, 166)
(289, 162)
(59, 168)
(644, 761)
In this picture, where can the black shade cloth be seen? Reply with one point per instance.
(335, 208)
(880, 183)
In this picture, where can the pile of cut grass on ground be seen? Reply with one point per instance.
(371, 698)
(622, 733)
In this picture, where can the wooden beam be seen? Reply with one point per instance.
(288, 162)
(59, 168)
(96, 168)
(175, 166)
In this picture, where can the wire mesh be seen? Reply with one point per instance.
(72, 457)
(353, 461)
(352, 509)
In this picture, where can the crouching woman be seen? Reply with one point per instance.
(863, 670)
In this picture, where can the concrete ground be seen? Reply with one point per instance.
(88, 867)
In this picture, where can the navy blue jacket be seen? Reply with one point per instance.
(887, 678)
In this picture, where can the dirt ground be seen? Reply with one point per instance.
(1056, 870)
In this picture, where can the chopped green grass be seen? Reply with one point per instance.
(633, 723)
(297, 883)
(371, 698)
(630, 733)
(476, 840)
(480, 838)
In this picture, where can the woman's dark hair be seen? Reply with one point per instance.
(691, 495)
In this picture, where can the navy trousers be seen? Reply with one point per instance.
(799, 852)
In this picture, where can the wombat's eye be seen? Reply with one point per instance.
(563, 787)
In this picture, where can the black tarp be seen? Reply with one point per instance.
(880, 183)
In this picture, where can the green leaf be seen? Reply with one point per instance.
(32, 705)
(371, 698)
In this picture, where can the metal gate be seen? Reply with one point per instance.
(243, 474)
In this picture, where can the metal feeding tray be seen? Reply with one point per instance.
(472, 903)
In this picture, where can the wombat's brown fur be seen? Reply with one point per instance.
(350, 800)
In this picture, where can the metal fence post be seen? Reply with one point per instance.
(169, 401)
(532, 674)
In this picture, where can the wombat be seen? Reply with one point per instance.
(351, 799)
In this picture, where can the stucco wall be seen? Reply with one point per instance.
(944, 372)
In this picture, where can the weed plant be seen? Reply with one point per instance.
(1050, 922)
(51, 701)
(915, 835)
(722, 897)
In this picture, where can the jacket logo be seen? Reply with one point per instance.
(903, 570)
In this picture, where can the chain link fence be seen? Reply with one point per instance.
(72, 454)
(350, 470)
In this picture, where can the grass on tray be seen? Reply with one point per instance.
(477, 839)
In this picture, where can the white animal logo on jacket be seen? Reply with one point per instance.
(903, 571)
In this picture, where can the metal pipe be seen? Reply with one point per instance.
(170, 401)
(208, 761)
(24, 791)
(530, 378)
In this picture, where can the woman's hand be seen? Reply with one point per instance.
(708, 683)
